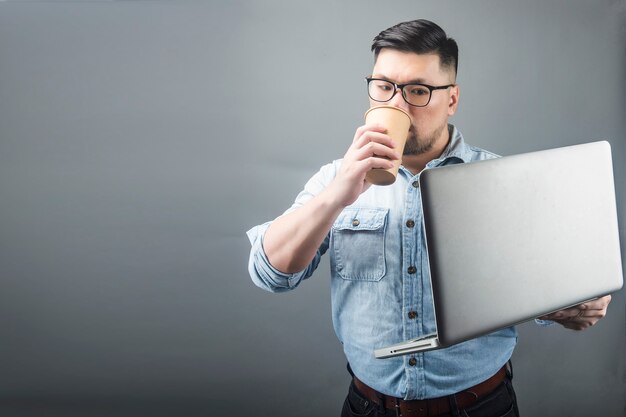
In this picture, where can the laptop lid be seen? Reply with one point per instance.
(514, 238)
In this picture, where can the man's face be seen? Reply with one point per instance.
(429, 123)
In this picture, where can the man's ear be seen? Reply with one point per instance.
(454, 99)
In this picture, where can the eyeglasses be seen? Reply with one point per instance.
(415, 94)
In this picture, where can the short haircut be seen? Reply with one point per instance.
(421, 37)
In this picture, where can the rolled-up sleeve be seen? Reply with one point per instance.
(263, 274)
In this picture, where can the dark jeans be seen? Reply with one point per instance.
(500, 403)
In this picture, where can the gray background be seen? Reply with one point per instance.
(139, 140)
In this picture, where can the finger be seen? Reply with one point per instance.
(598, 304)
(368, 128)
(374, 149)
(592, 314)
(374, 162)
(584, 319)
(374, 136)
(578, 317)
(562, 314)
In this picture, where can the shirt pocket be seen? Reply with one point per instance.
(358, 243)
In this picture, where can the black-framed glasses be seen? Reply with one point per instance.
(415, 94)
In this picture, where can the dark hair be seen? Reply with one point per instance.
(421, 37)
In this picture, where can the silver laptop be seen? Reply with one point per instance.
(514, 238)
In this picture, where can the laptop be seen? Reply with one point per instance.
(515, 238)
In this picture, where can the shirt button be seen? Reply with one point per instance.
(356, 222)
(415, 184)
(411, 270)
(410, 223)
(412, 314)
(412, 361)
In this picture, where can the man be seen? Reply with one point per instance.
(380, 286)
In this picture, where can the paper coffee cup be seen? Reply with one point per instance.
(397, 122)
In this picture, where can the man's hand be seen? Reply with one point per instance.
(371, 148)
(581, 316)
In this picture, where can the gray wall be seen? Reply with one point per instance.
(140, 139)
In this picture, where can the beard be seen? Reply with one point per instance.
(417, 145)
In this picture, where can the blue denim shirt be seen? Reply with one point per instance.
(380, 286)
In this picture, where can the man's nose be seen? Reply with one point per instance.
(398, 100)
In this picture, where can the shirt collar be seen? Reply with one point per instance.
(457, 152)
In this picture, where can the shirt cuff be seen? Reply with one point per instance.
(544, 323)
(263, 274)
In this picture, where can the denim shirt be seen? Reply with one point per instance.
(380, 286)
